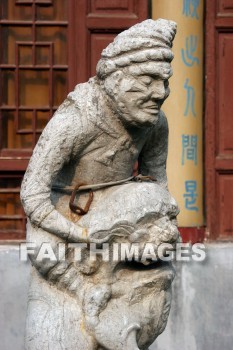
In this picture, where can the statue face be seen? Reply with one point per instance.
(139, 98)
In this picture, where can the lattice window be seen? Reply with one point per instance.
(33, 76)
(33, 69)
(12, 217)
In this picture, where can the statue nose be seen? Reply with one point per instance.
(158, 90)
(165, 231)
(170, 234)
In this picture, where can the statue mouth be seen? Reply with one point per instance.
(150, 108)
(141, 273)
(145, 265)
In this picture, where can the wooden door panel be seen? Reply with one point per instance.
(225, 88)
(225, 6)
(98, 42)
(101, 21)
(12, 217)
(111, 6)
(112, 9)
(225, 184)
(219, 118)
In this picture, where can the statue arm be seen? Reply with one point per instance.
(153, 157)
(52, 151)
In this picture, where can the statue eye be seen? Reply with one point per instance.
(135, 89)
(146, 80)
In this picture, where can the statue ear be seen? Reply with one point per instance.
(112, 81)
(120, 230)
(99, 237)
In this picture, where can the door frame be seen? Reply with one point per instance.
(210, 120)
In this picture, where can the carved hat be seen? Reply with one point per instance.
(147, 41)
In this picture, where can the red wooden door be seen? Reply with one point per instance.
(47, 46)
(99, 21)
(219, 118)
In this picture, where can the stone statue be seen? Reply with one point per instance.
(79, 188)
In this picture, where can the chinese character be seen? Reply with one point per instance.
(189, 148)
(190, 99)
(190, 195)
(190, 8)
(188, 55)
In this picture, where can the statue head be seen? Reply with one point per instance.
(131, 215)
(134, 70)
(115, 303)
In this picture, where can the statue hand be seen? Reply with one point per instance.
(78, 234)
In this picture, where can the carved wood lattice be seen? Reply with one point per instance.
(33, 68)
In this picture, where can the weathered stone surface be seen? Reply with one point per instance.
(96, 136)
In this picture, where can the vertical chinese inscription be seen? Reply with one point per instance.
(190, 59)
(190, 8)
(190, 99)
(189, 148)
(190, 195)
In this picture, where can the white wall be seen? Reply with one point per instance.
(201, 316)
